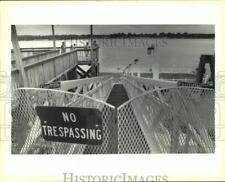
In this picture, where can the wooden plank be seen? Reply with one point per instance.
(18, 57)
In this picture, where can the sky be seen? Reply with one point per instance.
(109, 29)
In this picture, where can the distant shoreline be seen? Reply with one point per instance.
(119, 36)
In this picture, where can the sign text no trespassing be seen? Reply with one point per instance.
(71, 124)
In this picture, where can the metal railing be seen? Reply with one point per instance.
(27, 123)
(86, 83)
(168, 120)
(96, 87)
(131, 138)
(138, 85)
(26, 129)
(148, 83)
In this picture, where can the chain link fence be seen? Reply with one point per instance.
(130, 136)
(163, 120)
(173, 120)
(26, 128)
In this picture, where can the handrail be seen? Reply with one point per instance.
(86, 49)
(43, 71)
(69, 84)
(157, 83)
(70, 93)
(40, 72)
(97, 88)
(48, 59)
(33, 132)
(155, 90)
(137, 87)
(150, 118)
(33, 49)
(44, 60)
(36, 55)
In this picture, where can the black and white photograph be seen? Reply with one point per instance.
(113, 89)
(110, 91)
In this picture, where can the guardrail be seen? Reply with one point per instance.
(165, 117)
(26, 52)
(94, 92)
(34, 58)
(154, 120)
(84, 54)
(131, 137)
(137, 85)
(26, 128)
(85, 83)
(44, 70)
(100, 92)
(148, 83)
(131, 88)
(96, 87)
(168, 120)
(50, 69)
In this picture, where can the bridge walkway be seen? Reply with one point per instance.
(118, 95)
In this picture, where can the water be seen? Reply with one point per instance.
(173, 55)
(177, 55)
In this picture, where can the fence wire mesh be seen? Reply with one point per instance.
(130, 135)
(174, 120)
(26, 129)
(169, 120)
(131, 88)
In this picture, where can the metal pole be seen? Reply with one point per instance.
(155, 66)
(91, 32)
(92, 61)
(18, 57)
(53, 36)
(156, 62)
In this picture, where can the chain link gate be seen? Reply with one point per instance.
(26, 128)
(175, 120)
